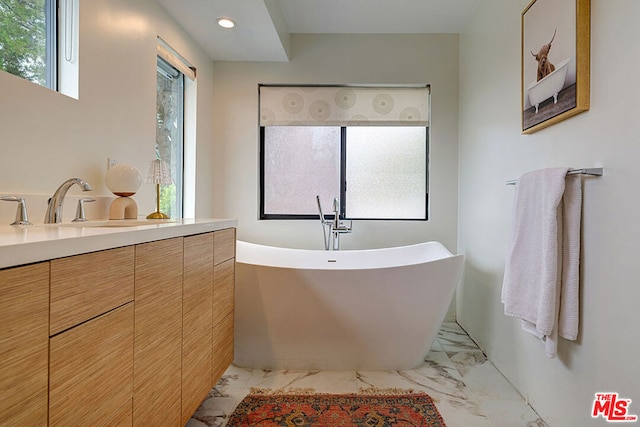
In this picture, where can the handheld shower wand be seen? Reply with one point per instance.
(324, 223)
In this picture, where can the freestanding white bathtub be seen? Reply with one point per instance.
(375, 309)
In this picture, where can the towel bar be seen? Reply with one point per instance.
(583, 171)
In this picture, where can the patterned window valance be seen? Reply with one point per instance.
(343, 106)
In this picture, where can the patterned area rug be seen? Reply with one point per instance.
(328, 410)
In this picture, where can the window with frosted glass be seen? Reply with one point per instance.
(386, 172)
(375, 172)
(299, 162)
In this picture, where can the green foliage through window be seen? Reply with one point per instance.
(168, 200)
(24, 29)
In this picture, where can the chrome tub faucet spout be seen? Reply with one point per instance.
(332, 229)
(338, 227)
(54, 210)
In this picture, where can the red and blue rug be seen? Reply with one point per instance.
(328, 410)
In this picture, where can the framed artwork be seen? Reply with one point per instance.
(555, 61)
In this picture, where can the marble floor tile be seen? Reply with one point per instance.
(320, 381)
(465, 386)
(482, 377)
(453, 338)
(511, 413)
(214, 411)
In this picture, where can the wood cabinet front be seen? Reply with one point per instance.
(223, 290)
(24, 345)
(197, 315)
(222, 346)
(224, 245)
(223, 301)
(158, 333)
(91, 371)
(85, 286)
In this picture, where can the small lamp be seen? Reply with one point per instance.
(124, 181)
(159, 175)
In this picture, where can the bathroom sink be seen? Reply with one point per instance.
(115, 223)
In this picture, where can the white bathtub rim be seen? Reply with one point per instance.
(315, 259)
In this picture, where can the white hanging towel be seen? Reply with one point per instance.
(541, 279)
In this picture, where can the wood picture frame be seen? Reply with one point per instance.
(555, 62)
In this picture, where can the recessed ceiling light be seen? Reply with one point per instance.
(226, 22)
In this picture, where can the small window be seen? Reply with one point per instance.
(28, 40)
(175, 129)
(170, 134)
(319, 141)
(39, 42)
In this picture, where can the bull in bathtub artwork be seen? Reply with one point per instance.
(550, 81)
(545, 67)
(550, 62)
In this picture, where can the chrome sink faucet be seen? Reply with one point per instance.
(54, 210)
(332, 229)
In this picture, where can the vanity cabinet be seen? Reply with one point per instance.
(135, 335)
(24, 345)
(158, 333)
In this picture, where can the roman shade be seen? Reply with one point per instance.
(343, 106)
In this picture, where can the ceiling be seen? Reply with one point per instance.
(263, 26)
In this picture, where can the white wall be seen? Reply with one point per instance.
(47, 137)
(492, 150)
(337, 59)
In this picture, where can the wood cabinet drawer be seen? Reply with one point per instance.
(224, 245)
(91, 370)
(88, 285)
(24, 345)
(223, 289)
(222, 347)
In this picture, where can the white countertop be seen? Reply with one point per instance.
(40, 242)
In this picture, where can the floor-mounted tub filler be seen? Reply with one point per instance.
(377, 309)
